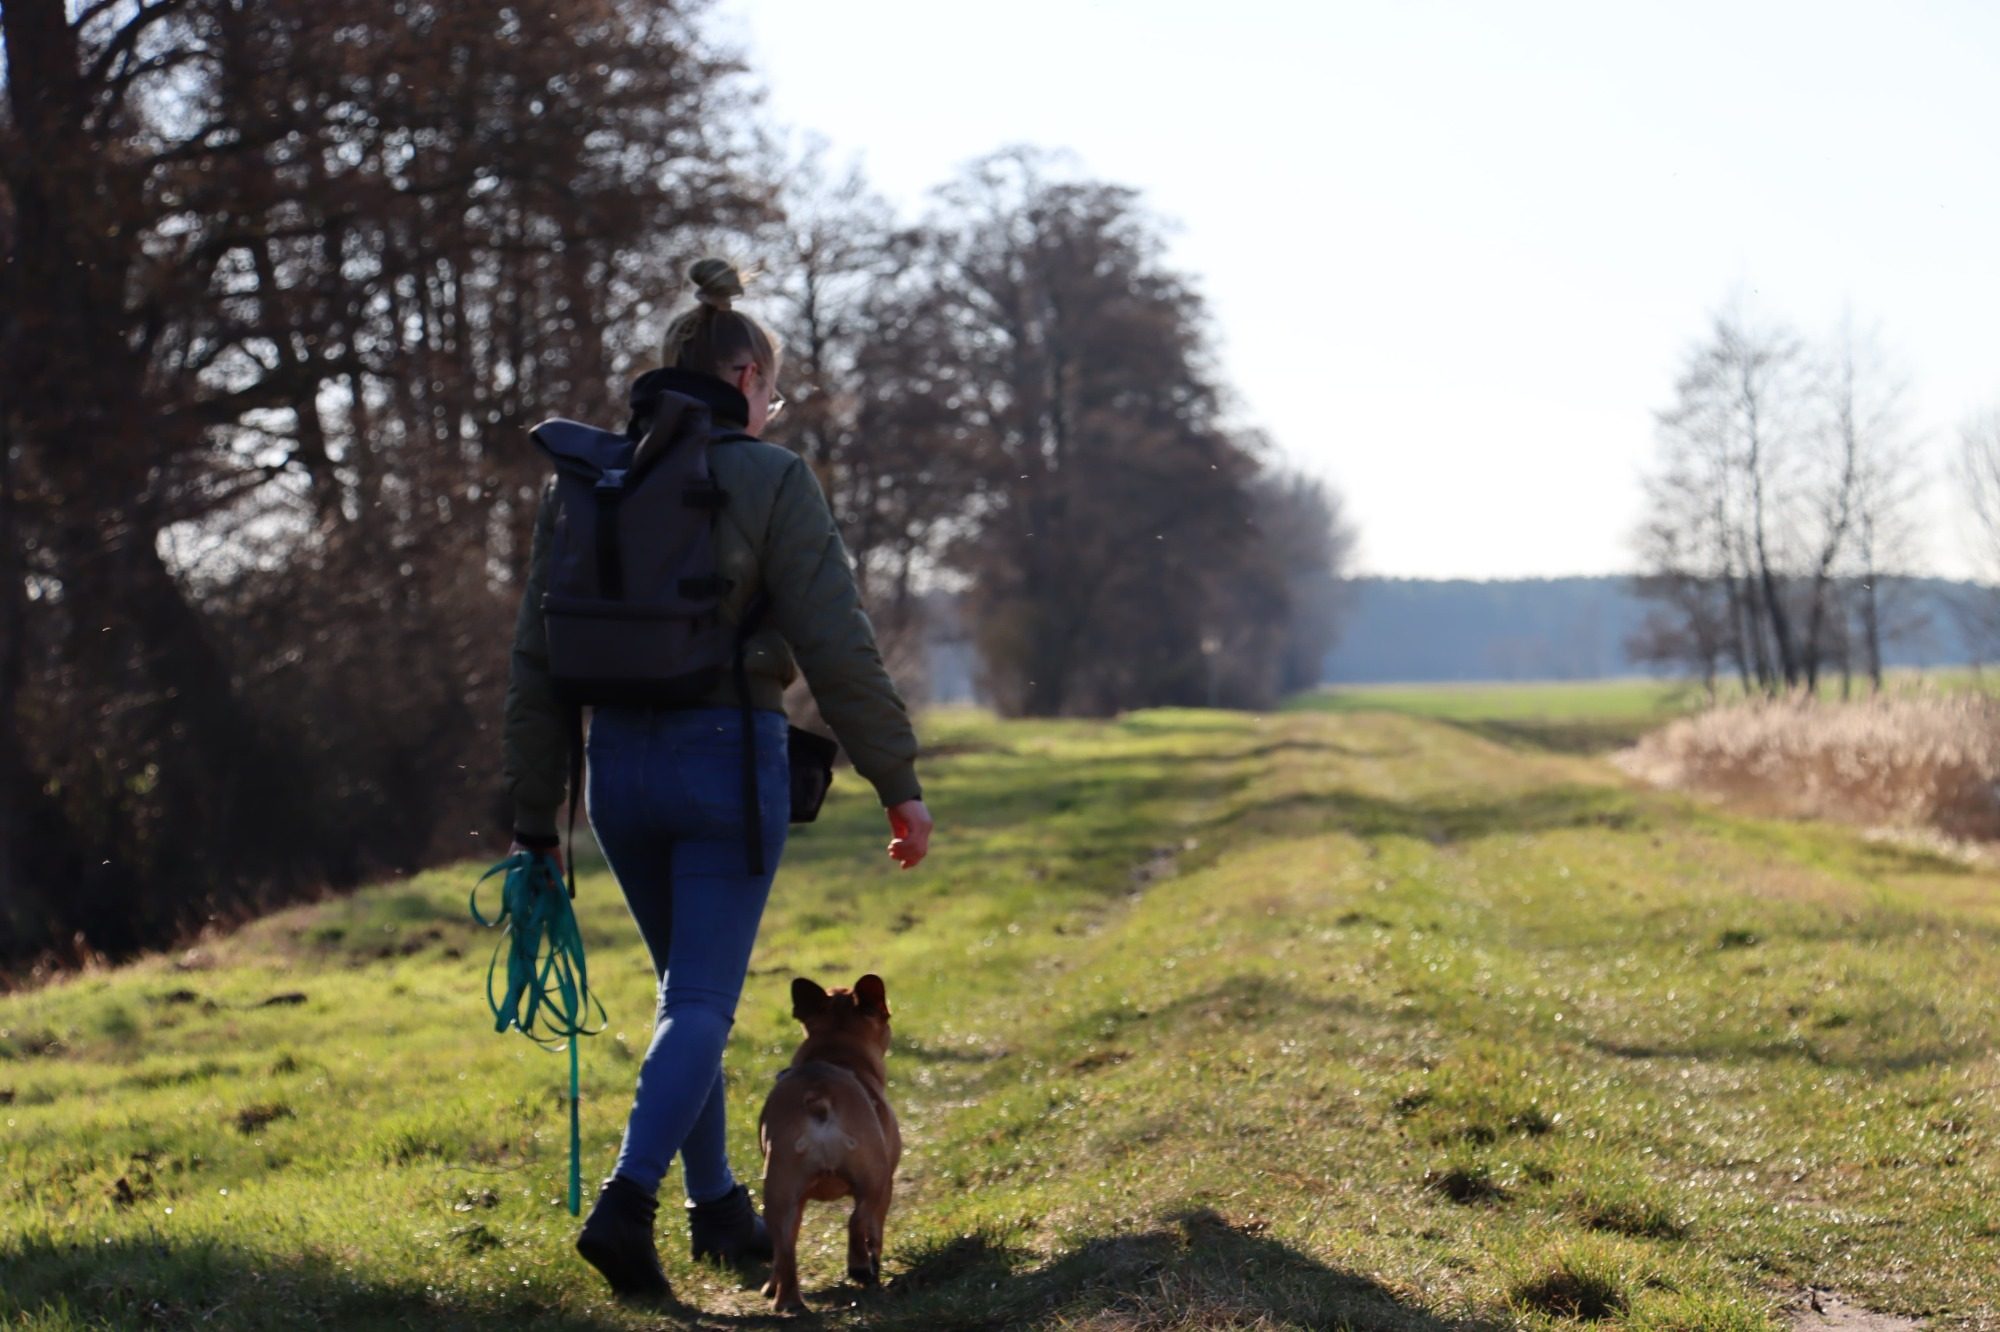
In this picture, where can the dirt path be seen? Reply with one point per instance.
(1824, 1311)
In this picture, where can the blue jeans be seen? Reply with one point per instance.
(666, 802)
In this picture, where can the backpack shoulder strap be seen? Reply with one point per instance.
(753, 814)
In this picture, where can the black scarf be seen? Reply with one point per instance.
(725, 404)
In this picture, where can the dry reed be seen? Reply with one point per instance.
(1924, 761)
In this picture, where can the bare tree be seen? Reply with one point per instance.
(1978, 474)
(859, 324)
(1724, 448)
(1884, 480)
(1777, 518)
(1695, 578)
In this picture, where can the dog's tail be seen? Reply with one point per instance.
(822, 1142)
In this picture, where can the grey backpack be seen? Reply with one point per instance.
(633, 601)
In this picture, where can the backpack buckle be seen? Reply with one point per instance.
(701, 589)
(705, 495)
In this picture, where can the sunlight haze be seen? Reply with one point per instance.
(1455, 252)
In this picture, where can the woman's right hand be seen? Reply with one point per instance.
(553, 853)
(910, 833)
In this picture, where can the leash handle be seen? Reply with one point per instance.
(547, 997)
(575, 1138)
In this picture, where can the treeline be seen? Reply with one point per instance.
(1407, 630)
(1017, 393)
(1781, 544)
(284, 288)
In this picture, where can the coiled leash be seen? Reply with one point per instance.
(547, 981)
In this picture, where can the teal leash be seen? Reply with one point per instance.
(548, 996)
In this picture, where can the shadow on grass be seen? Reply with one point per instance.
(1197, 1269)
(1551, 736)
(1890, 858)
(1239, 1002)
(1100, 819)
(1296, 746)
(173, 1283)
(1445, 819)
(906, 1048)
(1094, 800)
(1721, 1050)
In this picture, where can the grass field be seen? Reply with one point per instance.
(1348, 1016)
(1571, 716)
(1585, 716)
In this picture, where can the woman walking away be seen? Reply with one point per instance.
(690, 802)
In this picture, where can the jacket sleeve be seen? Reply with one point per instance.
(816, 607)
(534, 740)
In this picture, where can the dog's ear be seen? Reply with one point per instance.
(871, 995)
(808, 998)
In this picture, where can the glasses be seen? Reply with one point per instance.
(777, 398)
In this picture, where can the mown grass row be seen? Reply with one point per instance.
(1202, 1021)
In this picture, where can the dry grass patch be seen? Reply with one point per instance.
(1915, 761)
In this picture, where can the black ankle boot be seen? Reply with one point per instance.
(617, 1239)
(728, 1229)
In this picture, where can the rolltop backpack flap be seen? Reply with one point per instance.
(580, 450)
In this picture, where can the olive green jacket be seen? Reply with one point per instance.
(777, 534)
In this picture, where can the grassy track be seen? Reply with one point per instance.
(1328, 1018)
(1571, 716)
(1584, 716)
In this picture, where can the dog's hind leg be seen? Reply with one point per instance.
(784, 1211)
(878, 1220)
(861, 1270)
(864, 1232)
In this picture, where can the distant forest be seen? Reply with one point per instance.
(1409, 630)
(1413, 630)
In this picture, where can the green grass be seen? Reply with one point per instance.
(1346, 1018)
(1576, 716)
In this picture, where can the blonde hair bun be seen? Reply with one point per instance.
(710, 337)
(716, 282)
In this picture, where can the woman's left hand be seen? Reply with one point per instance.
(910, 833)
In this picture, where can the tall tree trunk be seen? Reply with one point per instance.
(1750, 606)
(1871, 625)
(15, 780)
(40, 850)
(1775, 615)
(1812, 650)
(1739, 632)
(63, 366)
(1769, 591)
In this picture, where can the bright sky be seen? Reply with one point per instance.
(1456, 251)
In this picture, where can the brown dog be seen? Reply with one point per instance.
(827, 1131)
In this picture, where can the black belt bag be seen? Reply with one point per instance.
(811, 758)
